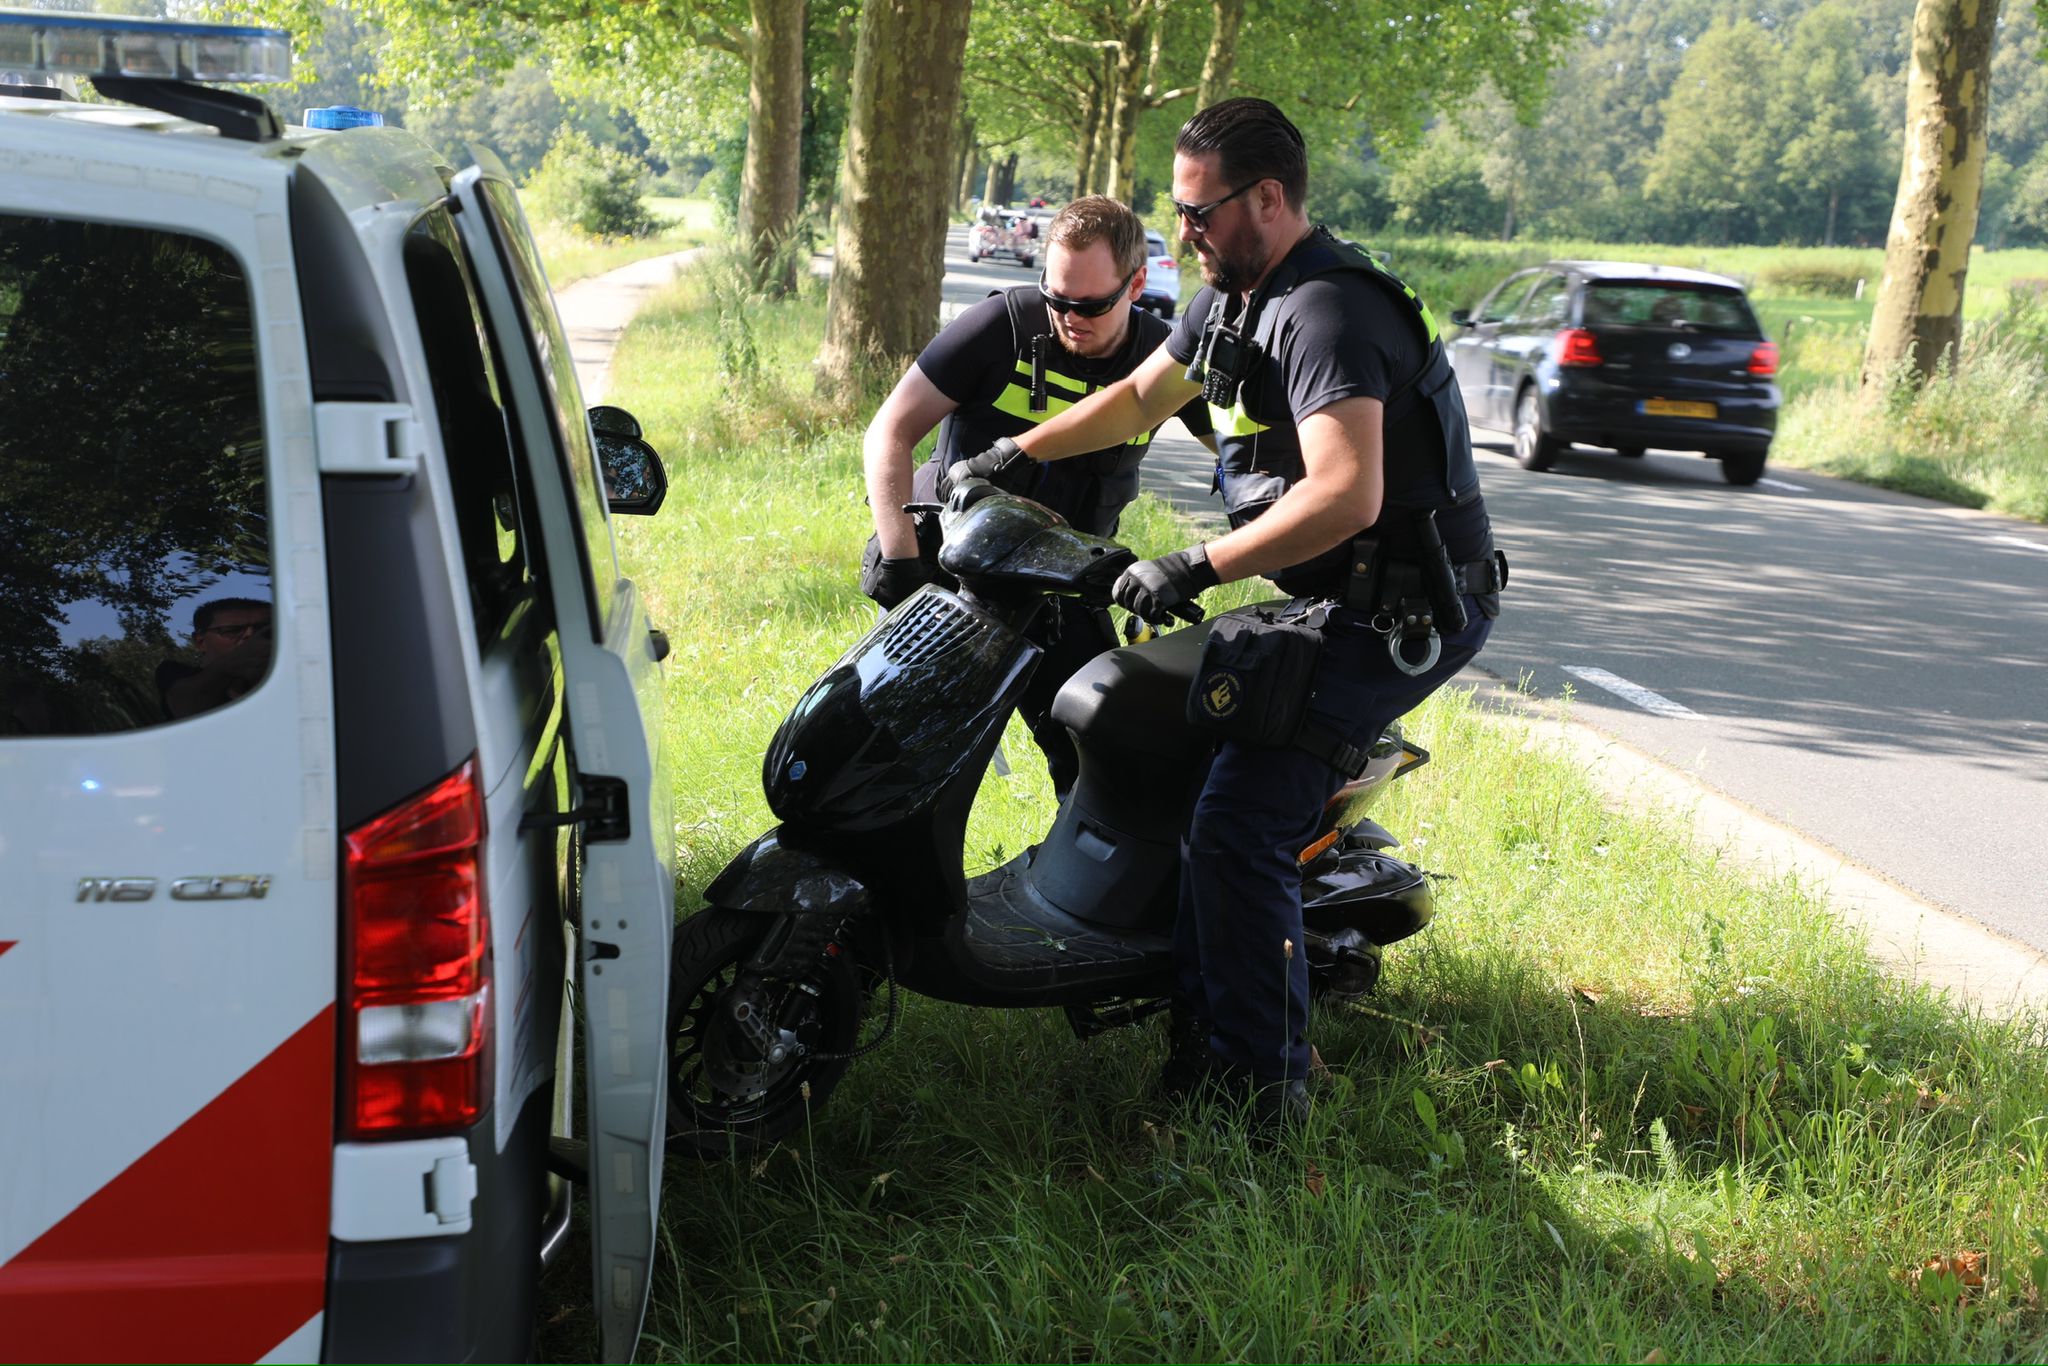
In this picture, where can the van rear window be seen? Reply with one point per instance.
(135, 584)
(1644, 303)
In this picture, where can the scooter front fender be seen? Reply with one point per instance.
(770, 877)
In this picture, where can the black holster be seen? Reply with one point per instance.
(1253, 686)
(1255, 677)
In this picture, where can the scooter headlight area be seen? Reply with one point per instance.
(923, 696)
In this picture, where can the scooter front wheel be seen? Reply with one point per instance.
(724, 1095)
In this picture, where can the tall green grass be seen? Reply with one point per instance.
(1618, 1100)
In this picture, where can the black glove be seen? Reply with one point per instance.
(1002, 464)
(1159, 590)
(889, 582)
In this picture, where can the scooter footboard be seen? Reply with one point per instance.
(1378, 895)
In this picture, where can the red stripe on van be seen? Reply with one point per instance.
(6, 944)
(211, 1247)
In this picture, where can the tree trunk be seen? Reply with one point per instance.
(1919, 317)
(1507, 222)
(964, 149)
(1134, 60)
(1098, 172)
(1834, 203)
(1226, 21)
(771, 182)
(895, 181)
(969, 164)
(1006, 182)
(1091, 132)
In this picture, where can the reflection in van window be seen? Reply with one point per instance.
(134, 543)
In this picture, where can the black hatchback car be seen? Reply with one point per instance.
(1624, 356)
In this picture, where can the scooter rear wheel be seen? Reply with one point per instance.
(723, 1099)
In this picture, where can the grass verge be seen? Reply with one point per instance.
(1619, 1100)
(570, 255)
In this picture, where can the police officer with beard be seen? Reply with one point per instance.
(1347, 474)
(1018, 358)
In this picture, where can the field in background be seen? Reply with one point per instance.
(1618, 1103)
(569, 255)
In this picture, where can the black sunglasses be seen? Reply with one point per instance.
(1196, 216)
(1087, 308)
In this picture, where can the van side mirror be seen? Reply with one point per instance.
(607, 420)
(634, 481)
(1460, 317)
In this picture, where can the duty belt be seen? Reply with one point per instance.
(1417, 601)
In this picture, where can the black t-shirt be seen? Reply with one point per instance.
(974, 359)
(977, 362)
(1334, 336)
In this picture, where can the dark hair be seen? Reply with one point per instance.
(1098, 218)
(1253, 140)
(204, 613)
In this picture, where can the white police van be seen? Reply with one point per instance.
(331, 803)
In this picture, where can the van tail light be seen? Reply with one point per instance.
(415, 932)
(1577, 346)
(1764, 360)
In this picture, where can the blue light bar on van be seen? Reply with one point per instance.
(34, 43)
(338, 116)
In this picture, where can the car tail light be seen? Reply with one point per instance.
(415, 934)
(1764, 360)
(1576, 346)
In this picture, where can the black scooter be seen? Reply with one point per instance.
(860, 890)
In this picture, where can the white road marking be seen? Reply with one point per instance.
(1632, 692)
(2038, 547)
(1781, 484)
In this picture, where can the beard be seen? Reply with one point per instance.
(1105, 341)
(1232, 268)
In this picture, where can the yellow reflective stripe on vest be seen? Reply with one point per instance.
(1016, 401)
(1079, 386)
(1428, 318)
(1234, 421)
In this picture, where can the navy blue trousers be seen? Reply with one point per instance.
(1240, 886)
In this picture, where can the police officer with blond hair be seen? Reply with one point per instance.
(1016, 359)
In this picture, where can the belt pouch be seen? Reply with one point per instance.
(1254, 680)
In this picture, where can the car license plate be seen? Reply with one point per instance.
(1672, 407)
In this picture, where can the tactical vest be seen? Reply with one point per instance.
(1090, 491)
(1252, 475)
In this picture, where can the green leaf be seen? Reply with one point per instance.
(1426, 1111)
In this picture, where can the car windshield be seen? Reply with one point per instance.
(1647, 303)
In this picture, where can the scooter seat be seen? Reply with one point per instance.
(1135, 698)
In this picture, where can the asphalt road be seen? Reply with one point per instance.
(1867, 668)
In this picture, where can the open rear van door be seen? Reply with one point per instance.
(612, 681)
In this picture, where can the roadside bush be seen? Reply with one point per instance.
(1976, 436)
(596, 190)
(1814, 280)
